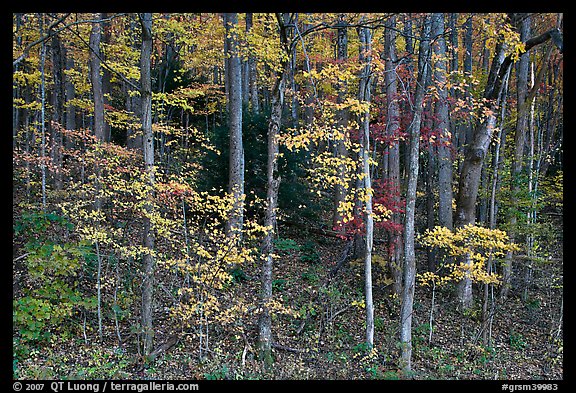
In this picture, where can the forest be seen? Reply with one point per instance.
(287, 196)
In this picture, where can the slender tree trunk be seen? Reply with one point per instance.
(16, 93)
(70, 94)
(96, 80)
(273, 183)
(487, 313)
(393, 128)
(442, 124)
(365, 57)
(236, 161)
(406, 308)
(519, 147)
(148, 263)
(466, 136)
(43, 112)
(253, 75)
(430, 211)
(342, 121)
(57, 109)
(106, 77)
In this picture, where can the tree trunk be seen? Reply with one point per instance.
(252, 71)
(519, 147)
(96, 80)
(406, 308)
(466, 136)
(472, 169)
(393, 128)
(57, 109)
(340, 190)
(442, 124)
(364, 35)
(43, 112)
(148, 263)
(273, 183)
(70, 94)
(236, 161)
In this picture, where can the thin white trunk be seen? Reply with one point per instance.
(364, 95)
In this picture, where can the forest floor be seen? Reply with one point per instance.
(324, 337)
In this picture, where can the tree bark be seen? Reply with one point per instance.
(406, 308)
(252, 71)
(393, 128)
(96, 80)
(364, 35)
(442, 124)
(148, 263)
(342, 119)
(519, 147)
(57, 109)
(236, 161)
(273, 183)
(471, 173)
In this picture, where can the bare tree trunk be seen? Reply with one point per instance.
(487, 313)
(70, 94)
(430, 211)
(43, 111)
(252, 71)
(340, 145)
(406, 308)
(96, 80)
(134, 139)
(57, 109)
(365, 58)
(519, 147)
(393, 126)
(466, 136)
(273, 183)
(442, 124)
(148, 263)
(236, 161)
(106, 77)
(471, 172)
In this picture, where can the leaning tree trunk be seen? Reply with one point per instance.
(148, 263)
(406, 308)
(472, 165)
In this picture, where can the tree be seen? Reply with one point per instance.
(252, 71)
(96, 79)
(236, 162)
(469, 181)
(393, 129)
(340, 145)
(148, 263)
(365, 57)
(409, 229)
(272, 185)
(442, 122)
